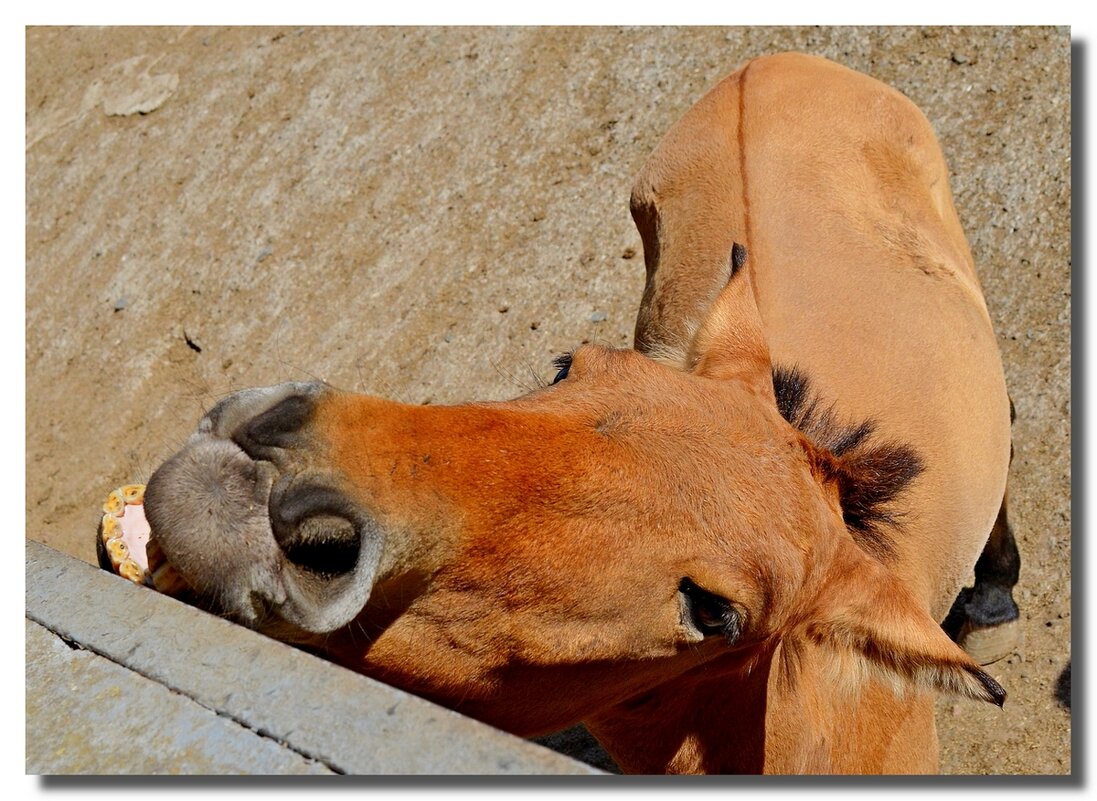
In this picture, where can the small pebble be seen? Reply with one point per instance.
(629, 253)
(958, 58)
(264, 253)
(120, 304)
(599, 317)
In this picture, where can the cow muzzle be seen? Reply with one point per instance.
(249, 516)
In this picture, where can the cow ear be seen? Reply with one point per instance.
(873, 625)
(730, 344)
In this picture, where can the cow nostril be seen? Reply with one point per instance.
(315, 526)
(277, 427)
(324, 544)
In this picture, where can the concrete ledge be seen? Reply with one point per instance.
(121, 679)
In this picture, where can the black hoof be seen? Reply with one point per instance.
(985, 622)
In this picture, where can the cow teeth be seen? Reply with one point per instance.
(165, 579)
(155, 555)
(109, 528)
(133, 494)
(162, 576)
(131, 570)
(118, 551)
(116, 504)
(123, 531)
(133, 552)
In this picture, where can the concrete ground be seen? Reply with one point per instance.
(433, 214)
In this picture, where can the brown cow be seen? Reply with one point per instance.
(726, 550)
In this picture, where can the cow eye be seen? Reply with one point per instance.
(710, 614)
(562, 364)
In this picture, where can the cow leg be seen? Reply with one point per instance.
(985, 619)
(991, 626)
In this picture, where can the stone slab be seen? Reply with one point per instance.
(86, 714)
(321, 716)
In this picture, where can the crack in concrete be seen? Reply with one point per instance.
(256, 730)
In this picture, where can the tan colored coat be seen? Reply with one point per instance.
(648, 545)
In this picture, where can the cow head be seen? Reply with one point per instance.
(534, 561)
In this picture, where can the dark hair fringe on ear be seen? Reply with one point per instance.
(870, 475)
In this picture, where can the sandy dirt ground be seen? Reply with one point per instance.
(433, 214)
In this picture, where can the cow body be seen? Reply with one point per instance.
(719, 571)
(837, 186)
(863, 279)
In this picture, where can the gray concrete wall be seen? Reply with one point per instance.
(123, 680)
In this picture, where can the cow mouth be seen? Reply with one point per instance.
(125, 545)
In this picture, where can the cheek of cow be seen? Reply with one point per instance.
(522, 672)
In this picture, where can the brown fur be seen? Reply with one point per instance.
(523, 562)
